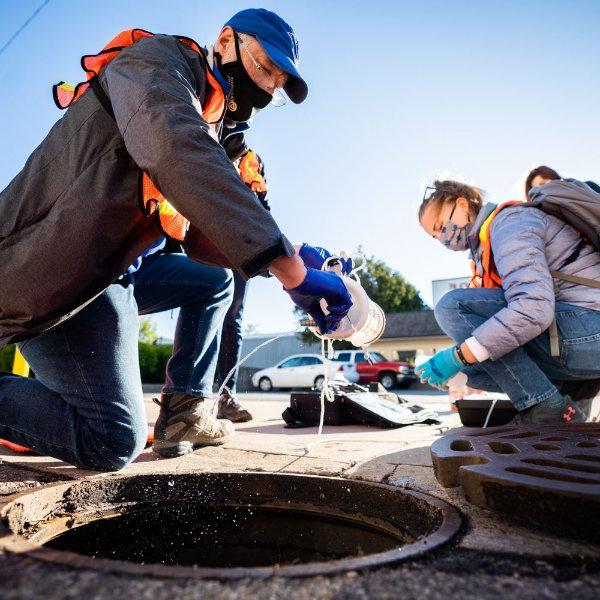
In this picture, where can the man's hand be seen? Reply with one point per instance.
(440, 367)
(315, 256)
(316, 286)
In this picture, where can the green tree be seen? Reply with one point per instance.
(153, 361)
(7, 357)
(250, 328)
(385, 287)
(388, 288)
(148, 333)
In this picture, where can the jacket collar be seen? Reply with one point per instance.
(473, 237)
(227, 127)
(212, 63)
(484, 213)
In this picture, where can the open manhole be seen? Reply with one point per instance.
(225, 525)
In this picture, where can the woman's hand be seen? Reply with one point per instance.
(442, 366)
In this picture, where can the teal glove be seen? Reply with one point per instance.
(440, 367)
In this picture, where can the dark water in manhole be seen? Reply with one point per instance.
(224, 536)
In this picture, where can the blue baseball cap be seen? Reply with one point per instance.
(278, 40)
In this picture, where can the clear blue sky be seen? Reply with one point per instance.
(399, 91)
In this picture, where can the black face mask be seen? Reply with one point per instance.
(245, 94)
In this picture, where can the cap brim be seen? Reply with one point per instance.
(296, 87)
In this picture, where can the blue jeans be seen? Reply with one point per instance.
(231, 339)
(203, 294)
(528, 374)
(86, 405)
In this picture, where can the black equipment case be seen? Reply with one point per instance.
(354, 404)
(473, 413)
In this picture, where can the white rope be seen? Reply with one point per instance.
(243, 360)
(487, 419)
(327, 391)
(360, 267)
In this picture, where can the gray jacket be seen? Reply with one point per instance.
(70, 222)
(527, 244)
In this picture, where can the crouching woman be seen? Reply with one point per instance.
(518, 330)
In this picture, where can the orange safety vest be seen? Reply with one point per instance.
(489, 277)
(172, 223)
(249, 169)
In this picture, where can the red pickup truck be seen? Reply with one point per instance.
(389, 373)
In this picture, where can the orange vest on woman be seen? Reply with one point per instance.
(488, 278)
(171, 222)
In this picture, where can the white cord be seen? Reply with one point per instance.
(487, 419)
(327, 391)
(243, 360)
(360, 267)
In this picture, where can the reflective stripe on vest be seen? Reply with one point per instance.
(250, 169)
(171, 222)
(489, 277)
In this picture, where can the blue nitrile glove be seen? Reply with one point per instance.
(322, 284)
(315, 256)
(440, 367)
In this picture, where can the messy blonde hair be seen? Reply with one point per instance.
(447, 191)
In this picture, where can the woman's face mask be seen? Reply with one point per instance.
(454, 237)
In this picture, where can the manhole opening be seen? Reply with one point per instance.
(230, 525)
(221, 536)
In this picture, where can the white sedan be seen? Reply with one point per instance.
(300, 370)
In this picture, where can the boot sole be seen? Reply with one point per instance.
(175, 449)
(236, 419)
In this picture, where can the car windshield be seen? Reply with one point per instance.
(374, 356)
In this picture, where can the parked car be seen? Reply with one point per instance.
(300, 370)
(389, 373)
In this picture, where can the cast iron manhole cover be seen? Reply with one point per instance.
(225, 525)
(546, 476)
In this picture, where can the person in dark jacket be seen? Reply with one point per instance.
(71, 226)
(503, 327)
(543, 174)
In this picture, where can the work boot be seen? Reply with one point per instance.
(186, 422)
(554, 411)
(230, 408)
